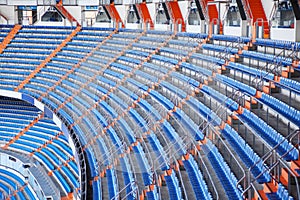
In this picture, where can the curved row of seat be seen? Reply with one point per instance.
(43, 141)
(135, 68)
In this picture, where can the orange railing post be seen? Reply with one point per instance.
(9, 37)
(44, 63)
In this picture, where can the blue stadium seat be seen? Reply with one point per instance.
(195, 177)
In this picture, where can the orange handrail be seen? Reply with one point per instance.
(9, 37)
(176, 14)
(46, 143)
(114, 14)
(77, 65)
(44, 63)
(25, 129)
(143, 96)
(99, 72)
(145, 14)
(66, 13)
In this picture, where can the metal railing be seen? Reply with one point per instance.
(275, 165)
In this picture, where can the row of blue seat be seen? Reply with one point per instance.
(128, 59)
(232, 105)
(17, 67)
(230, 38)
(189, 44)
(118, 42)
(81, 39)
(152, 194)
(44, 47)
(190, 125)
(127, 30)
(195, 177)
(23, 56)
(21, 62)
(173, 51)
(97, 29)
(173, 186)
(247, 155)
(218, 48)
(32, 41)
(95, 34)
(174, 138)
(137, 84)
(281, 44)
(271, 136)
(47, 37)
(152, 39)
(155, 67)
(37, 31)
(279, 60)
(236, 84)
(145, 168)
(146, 76)
(144, 46)
(192, 35)
(128, 178)
(157, 32)
(125, 36)
(137, 53)
(47, 27)
(290, 84)
(226, 177)
(251, 71)
(69, 54)
(284, 109)
(177, 91)
(266, 76)
(165, 59)
(159, 151)
(281, 193)
(26, 51)
(112, 183)
(194, 68)
(16, 182)
(206, 112)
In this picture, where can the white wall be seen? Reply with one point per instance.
(183, 5)
(75, 11)
(9, 13)
(268, 6)
(152, 11)
(282, 34)
(122, 11)
(88, 2)
(103, 24)
(230, 30)
(22, 2)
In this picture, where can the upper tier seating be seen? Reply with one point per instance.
(143, 105)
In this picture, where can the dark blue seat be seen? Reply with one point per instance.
(173, 186)
(196, 179)
(271, 136)
(246, 154)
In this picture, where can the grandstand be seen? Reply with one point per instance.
(123, 99)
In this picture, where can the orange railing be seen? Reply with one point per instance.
(9, 37)
(44, 63)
